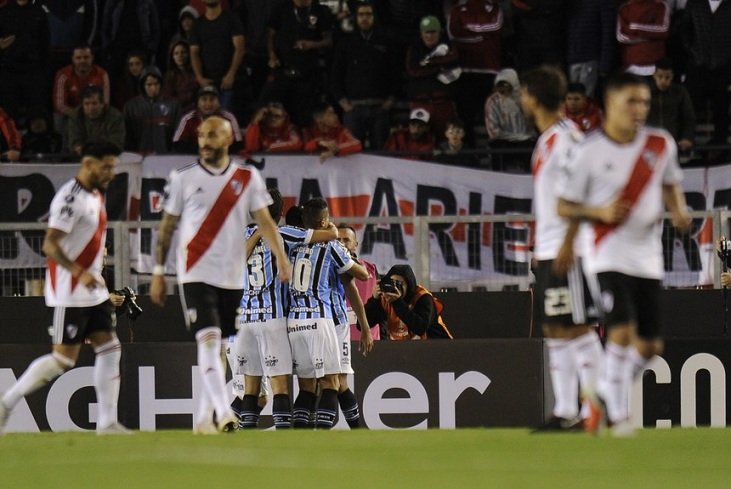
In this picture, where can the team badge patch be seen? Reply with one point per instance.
(72, 330)
(192, 314)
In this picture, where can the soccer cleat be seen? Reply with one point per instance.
(205, 428)
(228, 423)
(597, 418)
(115, 428)
(4, 416)
(561, 425)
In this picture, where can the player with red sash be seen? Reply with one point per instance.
(621, 179)
(75, 289)
(212, 200)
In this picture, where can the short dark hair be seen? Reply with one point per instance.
(621, 80)
(294, 216)
(547, 84)
(364, 4)
(456, 122)
(576, 87)
(275, 209)
(92, 91)
(99, 148)
(312, 210)
(320, 109)
(346, 226)
(664, 64)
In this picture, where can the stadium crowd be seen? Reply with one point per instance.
(401, 75)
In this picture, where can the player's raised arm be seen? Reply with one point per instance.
(270, 233)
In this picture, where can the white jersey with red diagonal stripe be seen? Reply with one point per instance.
(602, 171)
(214, 211)
(80, 214)
(550, 154)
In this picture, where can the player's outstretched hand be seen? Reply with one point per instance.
(158, 292)
(366, 341)
(284, 271)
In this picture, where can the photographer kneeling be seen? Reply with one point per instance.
(404, 309)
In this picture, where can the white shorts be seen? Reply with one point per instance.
(342, 332)
(314, 347)
(263, 349)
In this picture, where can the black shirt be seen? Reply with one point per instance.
(293, 24)
(214, 37)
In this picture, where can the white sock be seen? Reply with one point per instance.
(205, 410)
(612, 385)
(588, 354)
(233, 353)
(39, 373)
(211, 368)
(106, 381)
(563, 378)
(637, 363)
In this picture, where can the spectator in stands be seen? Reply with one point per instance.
(401, 18)
(327, 137)
(476, 28)
(365, 78)
(94, 120)
(416, 138)
(217, 52)
(129, 25)
(451, 151)
(185, 139)
(581, 109)
(151, 118)
(186, 20)
(590, 47)
(299, 30)
(404, 309)
(254, 16)
(643, 26)
(506, 125)
(671, 107)
(127, 85)
(271, 130)
(11, 143)
(180, 82)
(24, 54)
(707, 36)
(39, 137)
(347, 236)
(72, 79)
(432, 65)
(539, 32)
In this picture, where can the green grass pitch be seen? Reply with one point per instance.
(449, 459)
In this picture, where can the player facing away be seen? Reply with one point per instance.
(262, 345)
(212, 200)
(310, 322)
(620, 180)
(574, 348)
(75, 289)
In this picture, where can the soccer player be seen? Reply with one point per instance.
(621, 179)
(75, 289)
(262, 346)
(574, 348)
(310, 322)
(213, 199)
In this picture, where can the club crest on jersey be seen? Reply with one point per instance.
(192, 314)
(155, 200)
(72, 330)
(69, 199)
(650, 157)
(236, 186)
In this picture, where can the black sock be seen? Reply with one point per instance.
(328, 409)
(351, 411)
(304, 405)
(282, 411)
(249, 412)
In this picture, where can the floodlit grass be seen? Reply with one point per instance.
(458, 459)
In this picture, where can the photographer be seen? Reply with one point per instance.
(404, 309)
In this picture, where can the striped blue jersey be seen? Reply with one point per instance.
(265, 297)
(340, 307)
(314, 269)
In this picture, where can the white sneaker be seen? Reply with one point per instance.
(623, 429)
(228, 423)
(116, 428)
(205, 428)
(4, 416)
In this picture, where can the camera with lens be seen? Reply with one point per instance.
(388, 285)
(130, 303)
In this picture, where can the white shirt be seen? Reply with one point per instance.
(549, 157)
(599, 172)
(80, 214)
(214, 211)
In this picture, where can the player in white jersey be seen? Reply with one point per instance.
(75, 289)
(620, 179)
(574, 348)
(310, 323)
(212, 200)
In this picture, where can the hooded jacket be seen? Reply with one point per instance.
(504, 118)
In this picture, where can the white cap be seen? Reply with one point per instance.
(420, 115)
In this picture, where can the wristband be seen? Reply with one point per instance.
(158, 270)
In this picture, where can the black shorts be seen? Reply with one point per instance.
(563, 300)
(628, 299)
(71, 325)
(205, 306)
